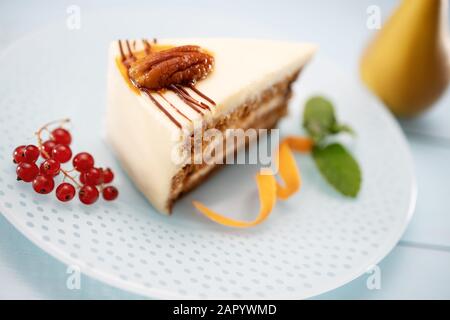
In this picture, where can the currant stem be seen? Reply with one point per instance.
(39, 138)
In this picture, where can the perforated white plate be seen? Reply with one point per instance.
(312, 243)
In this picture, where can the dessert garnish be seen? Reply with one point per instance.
(56, 151)
(335, 163)
(269, 189)
(182, 65)
(333, 160)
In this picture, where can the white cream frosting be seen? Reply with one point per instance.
(144, 137)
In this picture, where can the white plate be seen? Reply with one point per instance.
(312, 243)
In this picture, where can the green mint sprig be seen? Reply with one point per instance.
(333, 160)
(320, 121)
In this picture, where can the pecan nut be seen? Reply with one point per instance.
(179, 65)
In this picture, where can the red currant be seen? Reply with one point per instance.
(47, 148)
(65, 192)
(82, 178)
(83, 161)
(28, 154)
(27, 171)
(19, 154)
(110, 193)
(31, 153)
(88, 194)
(50, 167)
(107, 175)
(43, 184)
(61, 136)
(93, 176)
(62, 153)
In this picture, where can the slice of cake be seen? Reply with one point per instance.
(162, 92)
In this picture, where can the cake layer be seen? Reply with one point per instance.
(261, 113)
(190, 177)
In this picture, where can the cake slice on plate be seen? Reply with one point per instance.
(161, 92)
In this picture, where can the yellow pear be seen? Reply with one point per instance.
(407, 65)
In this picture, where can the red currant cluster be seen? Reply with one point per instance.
(55, 151)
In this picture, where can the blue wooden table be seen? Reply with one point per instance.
(418, 267)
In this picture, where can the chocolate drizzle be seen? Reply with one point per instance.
(201, 94)
(130, 52)
(186, 99)
(161, 107)
(188, 96)
(127, 59)
(122, 55)
(174, 107)
(182, 92)
(147, 46)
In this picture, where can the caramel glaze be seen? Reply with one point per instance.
(181, 91)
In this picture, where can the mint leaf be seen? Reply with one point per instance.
(335, 163)
(339, 128)
(339, 168)
(319, 119)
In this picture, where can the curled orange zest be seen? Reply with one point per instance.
(299, 144)
(267, 199)
(288, 170)
(268, 188)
